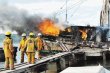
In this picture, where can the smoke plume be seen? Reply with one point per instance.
(13, 19)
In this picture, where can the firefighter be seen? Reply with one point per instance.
(39, 44)
(30, 48)
(8, 51)
(22, 46)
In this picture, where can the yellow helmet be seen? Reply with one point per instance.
(23, 35)
(8, 33)
(31, 34)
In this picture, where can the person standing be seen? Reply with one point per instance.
(22, 46)
(30, 48)
(8, 51)
(39, 44)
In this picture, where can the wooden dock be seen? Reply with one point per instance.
(57, 62)
(87, 52)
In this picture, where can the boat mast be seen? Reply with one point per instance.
(66, 13)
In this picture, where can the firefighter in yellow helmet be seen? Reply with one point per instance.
(22, 46)
(8, 51)
(30, 48)
(39, 44)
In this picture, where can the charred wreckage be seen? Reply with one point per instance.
(83, 36)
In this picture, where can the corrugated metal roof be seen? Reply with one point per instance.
(86, 69)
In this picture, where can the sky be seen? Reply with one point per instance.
(80, 12)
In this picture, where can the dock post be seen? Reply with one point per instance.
(104, 57)
(62, 63)
(85, 58)
(51, 67)
(67, 61)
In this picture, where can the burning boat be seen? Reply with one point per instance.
(79, 34)
(49, 29)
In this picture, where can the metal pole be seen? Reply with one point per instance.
(108, 19)
(104, 57)
(66, 12)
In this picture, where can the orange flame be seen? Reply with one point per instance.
(84, 34)
(69, 29)
(47, 27)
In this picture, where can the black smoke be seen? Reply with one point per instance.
(17, 20)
